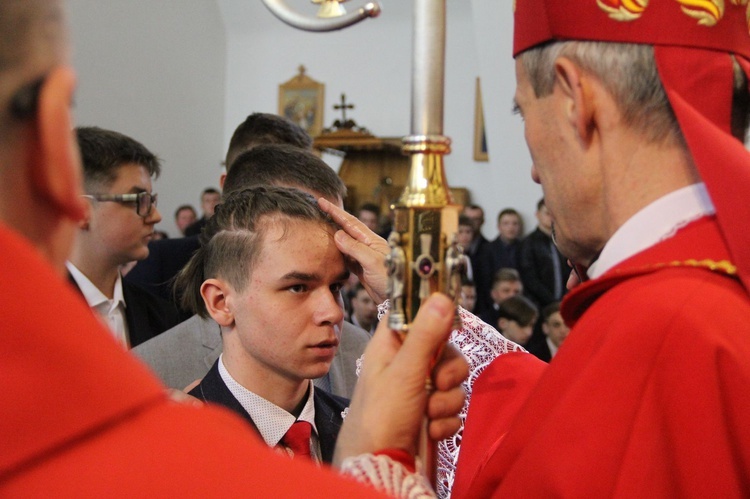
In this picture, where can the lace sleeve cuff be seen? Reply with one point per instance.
(383, 309)
(387, 475)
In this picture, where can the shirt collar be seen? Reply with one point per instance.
(94, 297)
(658, 221)
(271, 420)
(551, 346)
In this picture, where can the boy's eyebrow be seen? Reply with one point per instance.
(308, 277)
(300, 276)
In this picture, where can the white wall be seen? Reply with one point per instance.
(371, 63)
(155, 70)
(179, 75)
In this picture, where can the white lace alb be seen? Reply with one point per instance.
(480, 343)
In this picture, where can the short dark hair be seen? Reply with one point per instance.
(505, 274)
(474, 207)
(549, 310)
(284, 165)
(184, 207)
(508, 211)
(232, 239)
(103, 152)
(518, 308)
(264, 128)
(465, 221)
(210, 190)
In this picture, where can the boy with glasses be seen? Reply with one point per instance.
(119, 223)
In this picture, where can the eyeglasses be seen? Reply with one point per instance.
(145, 202)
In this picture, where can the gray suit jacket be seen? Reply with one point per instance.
(186, 352)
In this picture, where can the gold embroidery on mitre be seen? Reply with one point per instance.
(623, 10)
(740, 3)
(707, 12)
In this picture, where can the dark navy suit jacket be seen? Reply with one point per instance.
(328, 409)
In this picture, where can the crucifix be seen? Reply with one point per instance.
(343, 106)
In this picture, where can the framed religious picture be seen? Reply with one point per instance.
(301, 101)
(480, 135)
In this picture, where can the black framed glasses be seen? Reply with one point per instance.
(145, 202)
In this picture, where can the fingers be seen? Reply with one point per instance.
(182, 397)
(349, 223)
(440, 429)
(445, 404)
(353, 227)
(192, 385)
(451, 370)
(370, 264)
(381, 348)
(354, 248)
(426, 335)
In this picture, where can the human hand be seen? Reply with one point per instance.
(365, 250)
(390, 399)
(183, 397)
(192, 385)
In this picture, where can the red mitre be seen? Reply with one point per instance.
(692, 41)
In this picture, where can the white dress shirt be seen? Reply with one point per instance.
(656, 222)
(112, 312)
(271, 420)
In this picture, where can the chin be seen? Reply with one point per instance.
(318, 370)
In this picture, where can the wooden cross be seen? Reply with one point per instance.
(343, 106)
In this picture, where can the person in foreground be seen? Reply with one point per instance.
(82, 403)
(637, 139)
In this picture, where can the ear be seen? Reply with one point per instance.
(222, 178)
(57, 175)
(502, 323)
(215, 293)
(545, 328)
(579, 103)
(83, 223)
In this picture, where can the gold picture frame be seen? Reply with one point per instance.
(301, 101)
(480, 134)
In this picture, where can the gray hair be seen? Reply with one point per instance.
(628, 71)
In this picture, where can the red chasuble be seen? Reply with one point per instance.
(80, 417)
(649, 395)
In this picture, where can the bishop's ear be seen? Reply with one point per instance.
(216, 294)
(57, 176)
(575, 87)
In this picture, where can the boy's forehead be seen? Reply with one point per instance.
(283, 233)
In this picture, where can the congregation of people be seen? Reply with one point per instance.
(251, 354)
